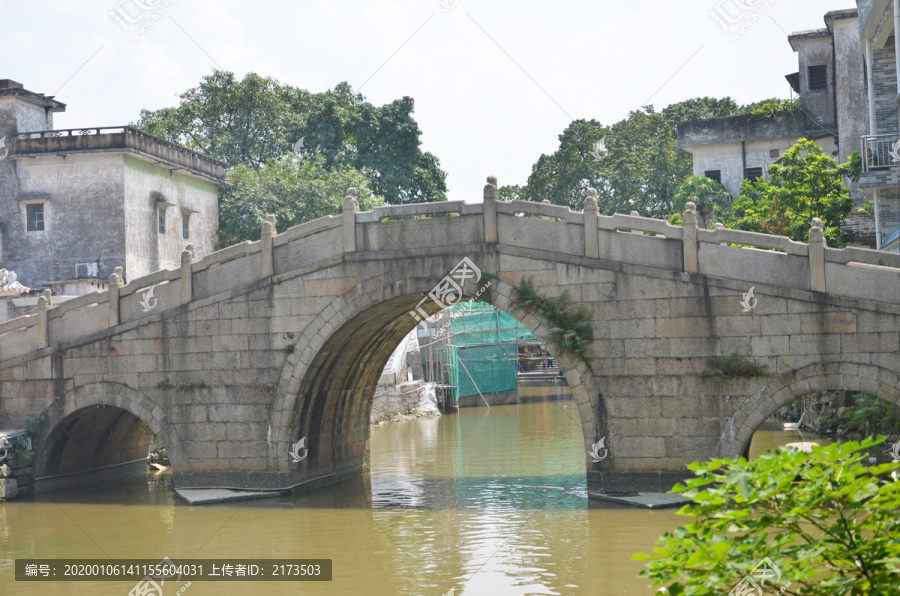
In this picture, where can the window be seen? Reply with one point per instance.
(35, 217)
(818, 78)
(714, 175)
(752, 174)
(186, 225)
(161, 212)
(774, 153)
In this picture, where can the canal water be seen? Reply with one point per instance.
(483, 502)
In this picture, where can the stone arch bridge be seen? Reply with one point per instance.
(232, 359)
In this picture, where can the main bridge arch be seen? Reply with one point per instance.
(328, 382)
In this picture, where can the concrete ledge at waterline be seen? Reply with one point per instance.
(645, 500)
(208, 496)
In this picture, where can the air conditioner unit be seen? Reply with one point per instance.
(87, 270)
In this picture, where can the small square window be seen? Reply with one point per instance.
(161, 212)
(774, 153)
(35, 217)
(714, 175)
(186, 225)
(752, 174)
(818, 78)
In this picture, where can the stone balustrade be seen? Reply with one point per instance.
(628, 239)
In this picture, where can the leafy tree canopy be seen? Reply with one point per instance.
(252, 121)
(635, 164)
(709, 196)
(803, 185)
(826, 520)
(293, 190)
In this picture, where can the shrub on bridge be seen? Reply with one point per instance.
(570, 326)
(827, 522)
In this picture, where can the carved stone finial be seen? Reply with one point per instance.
(691, 206)
(591, 204)
(350, 201)
(115, 280)
(268, 226)
(120, 273)
(719, 226)
(490, 189)
(635, 214)
(546, 202)
(45, 300)
(817, 224)
(492, 180)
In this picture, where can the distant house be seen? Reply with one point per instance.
(831, 83)
(76, 204)
(881, 145)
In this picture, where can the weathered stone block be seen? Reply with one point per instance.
(831, 322)
(685, 327)
(632, 328)
(9, 489)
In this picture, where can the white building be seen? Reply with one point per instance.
(76, 204)
(831, 83)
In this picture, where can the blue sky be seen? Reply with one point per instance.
(495, 82)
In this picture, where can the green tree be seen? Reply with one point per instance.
(805, 184)
(709, 196)
(257, 119)
(634, 164)
(871, 414)
(827, 521)
(293, 190)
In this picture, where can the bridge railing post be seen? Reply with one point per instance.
(689, 239)
(351, 208)
(491, 234)
(266, 256)
(43, 329)
(187, 274)
(816, 256)
(591, 225)
(115, 282)
(638, 232)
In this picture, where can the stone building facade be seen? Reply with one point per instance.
(831, 84)
(75, 204)
(878, 25)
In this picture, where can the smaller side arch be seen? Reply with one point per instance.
(108, 421)
(814, 378)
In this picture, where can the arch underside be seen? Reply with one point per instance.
(93, 443)
(335, 397)
(831, 377)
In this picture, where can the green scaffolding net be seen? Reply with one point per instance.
(483, 348)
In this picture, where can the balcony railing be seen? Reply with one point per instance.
(880, 152)
(79, 140)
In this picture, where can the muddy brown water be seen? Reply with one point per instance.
(481, 502)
